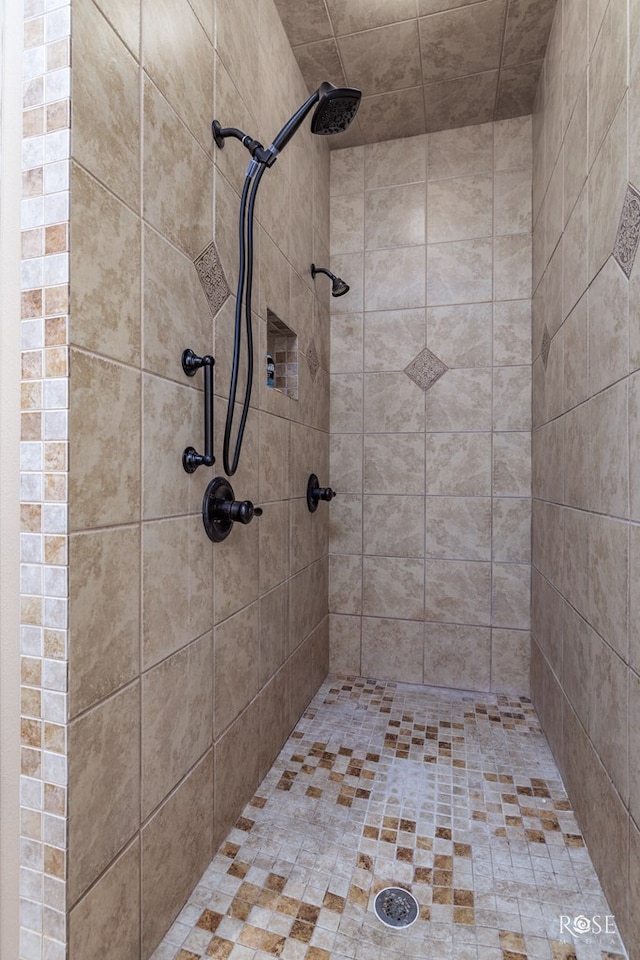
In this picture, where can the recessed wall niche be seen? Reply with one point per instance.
(282, 345)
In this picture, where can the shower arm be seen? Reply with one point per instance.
(261, 154)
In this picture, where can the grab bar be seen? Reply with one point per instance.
(191, 459)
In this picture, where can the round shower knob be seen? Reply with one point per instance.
(315, 493)
(220, 510)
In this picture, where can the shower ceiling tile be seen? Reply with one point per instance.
(320, 60)
(384, 59)
(462, 42)
(451, 49)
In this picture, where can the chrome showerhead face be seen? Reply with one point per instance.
(339, 287)
(336, 109)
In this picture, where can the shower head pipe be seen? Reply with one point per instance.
(338, 285)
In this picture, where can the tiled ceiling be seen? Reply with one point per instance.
(422, 65)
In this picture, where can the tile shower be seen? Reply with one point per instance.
(151, 662)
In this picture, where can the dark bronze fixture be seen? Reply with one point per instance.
(191, 459)
(338, 286)
(220, 510)
(316, 493)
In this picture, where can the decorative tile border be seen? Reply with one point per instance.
(212, 278)
(628, 235)
(425, 369)
(43, 478)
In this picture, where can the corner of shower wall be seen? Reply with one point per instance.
(44, 436)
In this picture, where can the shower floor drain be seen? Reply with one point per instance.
(396, 907)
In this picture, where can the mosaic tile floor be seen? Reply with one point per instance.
(453, 796)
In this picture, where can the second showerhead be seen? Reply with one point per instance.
(338, 285)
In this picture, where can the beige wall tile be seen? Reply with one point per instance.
(546, 619)
(607, 185)
(345, 524)
(510, 661)
(173, 298)
(607, 73)
(180, 833)
(274, 461)
(460, 209)
(345, 645)
(459, 464)
(460, 335)
(547, 525)
(512, 143)
(575, 369)
(460, 152)
(347, 224)
(275, 723)
(457, 656)
(345, 584)
(512, 398)
(458, 591)
(392, 162)
(236, 666)
(609, 713)
(608, 451)
(392, 649)
(104, 426)
(393, 587)
(105, 264)
(548, 461)
(512, 332)
(577, 426)
(186, 81)
(575, 583)
(393, 526)
(308, 607)
(512, 267)
(634, 740)
(106, 105)
(177, 202)
(393, 403)
(273, 530)
(608, 303)
(104, 786)
(634, 446)
(104, 617)
(177, 719)
(347, 171)
(511, 530)
(511, 595)
(125, 20)
(578, 644)
(346, 463)
(274, 631)
(393, 338)
(394, 463)
(234, 781)
(346, 403)
(631, 929)
(177, 586)
(460, 400)
(406, 265)
(236, 579)
(575, 255)
(460, 272)
(575, 152)
(395, 216)
(608, 581)
(512, 464)
(347, 350)
(458, 528)
(113, 903)
(237, 42)
(634, 597)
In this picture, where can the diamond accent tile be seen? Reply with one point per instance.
(313, 360)
(628, 235)
(546, 346)
(425, 369)
(212, 278)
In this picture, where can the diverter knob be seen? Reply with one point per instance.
(220, 510)
(315, 493)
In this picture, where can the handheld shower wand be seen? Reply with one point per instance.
(336, 108)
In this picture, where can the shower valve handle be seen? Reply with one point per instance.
(220, 510)
(240, 511)
(315, 493)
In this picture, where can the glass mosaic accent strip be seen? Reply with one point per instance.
(425, 369)
(43, 479)
(212, 278)
(628, 235)
(450, 796)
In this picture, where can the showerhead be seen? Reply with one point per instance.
(337, 106)
(336, 109)
(338, 286)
